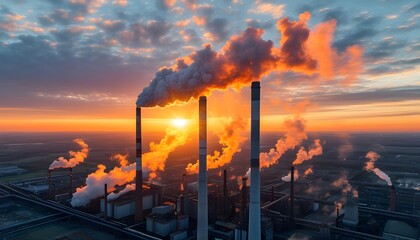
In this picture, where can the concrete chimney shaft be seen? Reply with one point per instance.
(139, 171)
(202, 218)
(254, 204)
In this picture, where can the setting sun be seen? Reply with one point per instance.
(179, 122)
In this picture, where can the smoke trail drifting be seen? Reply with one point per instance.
(96, 180)
(128, 188)
(288, 177)
(303, 155)
(295, 134)
(231, 141)
(370, 166)
(342, 182)
(76, 157)
(308, 171)
(246, 57)
(125, 173)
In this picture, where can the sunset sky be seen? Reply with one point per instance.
(79, 65)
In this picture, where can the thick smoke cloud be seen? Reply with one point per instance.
(370, 166)
(76, 157)
(95, 181)
(246, 57)
(152, 161)
(231, 141)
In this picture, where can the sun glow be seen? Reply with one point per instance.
(179, 122)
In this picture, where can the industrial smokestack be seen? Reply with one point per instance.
(225, 209)
(106, 202)
(292, 195)
(243, 207)
(139, 172)
(202, 218)
(392, 198)
(71, 181)
(254, 204)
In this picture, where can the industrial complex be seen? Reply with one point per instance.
(208, 206)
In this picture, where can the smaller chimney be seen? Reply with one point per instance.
(244, 201)
(338, 215)
(292, 195)
(392, 198)
(106, 202)
(225, 201)
(71, 181)
(183, 184)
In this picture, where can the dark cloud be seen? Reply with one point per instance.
(59, 16)
(366, 27)
(385, 48)
(339, 14)
(218, 28)
(34, 64)
(255, 23)
(394, 66)
(141, 34)
(374, 96)
(112, 27)
(415, 8)
(191, 36)
(69, 35)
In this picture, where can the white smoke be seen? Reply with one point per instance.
(370, 166)
(128, 188)
(288, 177)
(76, 157)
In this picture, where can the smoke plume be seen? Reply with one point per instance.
(95, 181)
(303, 155)
(308, 171)
(155, 159)
(231, 141)
(288, 177)
(247, 56)
(343, 182)
(370, 166)
(125, 173)
(75, 157)
(128, 188)
(346, 147)
(295, 134)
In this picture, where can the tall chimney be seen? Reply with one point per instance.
(243, 207)
(392, 198)
(139, 172)
(71, 181)
(202, 219)
(106, 201)
(254, 203)
(225, 209)
(292, 195)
